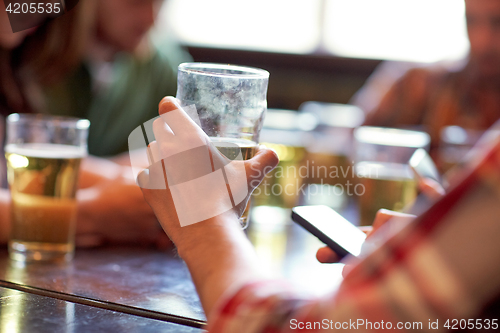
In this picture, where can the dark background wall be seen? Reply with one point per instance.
(295, 78)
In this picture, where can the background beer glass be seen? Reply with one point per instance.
(328, 153)
(454, 145)
(43, 158)
(286, 132)
(231, 103)
(381, 166)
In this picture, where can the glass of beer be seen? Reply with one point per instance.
(384, 177)
(287, 132)
(330, 176)
(454, 145)
(43, 156)
(229, 102)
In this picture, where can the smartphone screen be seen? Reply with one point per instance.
(331, 228)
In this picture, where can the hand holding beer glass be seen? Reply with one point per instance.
(382, 169)
(43, 158)
(230, 104)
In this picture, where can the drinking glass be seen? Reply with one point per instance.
(455, 143)
(328, 153)
(230, 104)
(43, 158)
(3, 164)
(286, 132)
(385, 179)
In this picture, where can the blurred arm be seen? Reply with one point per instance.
(405, 102)
(4, 215)
(112, 209)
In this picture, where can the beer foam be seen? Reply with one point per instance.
(46, 150)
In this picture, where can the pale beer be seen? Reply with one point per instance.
(232, 148)
(43, 182)
(280, 187)
(384, 185)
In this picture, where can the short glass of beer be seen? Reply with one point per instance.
(384, 177)
(43, 156)
(230, 101)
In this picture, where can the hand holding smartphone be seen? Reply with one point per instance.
(342, 236)
(331, 228)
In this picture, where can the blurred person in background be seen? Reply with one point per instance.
(45, 72)
(28, 60)
(123, 76)
(466, 95)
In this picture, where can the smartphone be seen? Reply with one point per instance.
(331, 228)
(423, 166)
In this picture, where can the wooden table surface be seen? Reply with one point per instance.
(113, 288)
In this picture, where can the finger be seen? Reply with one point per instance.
(431, 188)
(263, 162)
(168, 104)
(143, 179)
(153, 153)
(266, 157)
(172, 113)
(384, 215)
(152, 178)
(347, 268)
(326, 255)
(366, 229)
(164, 137)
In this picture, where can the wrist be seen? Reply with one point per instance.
(196, 239)
(218, 256)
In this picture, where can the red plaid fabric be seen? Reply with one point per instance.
(444, 266)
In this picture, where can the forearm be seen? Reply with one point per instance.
(218, 255)
(111, 208)
(124, 159)
(95, 170)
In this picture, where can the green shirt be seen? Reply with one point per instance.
(132, 98)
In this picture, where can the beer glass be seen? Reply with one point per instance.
(287, 132)
(384, 177)
(454, 145)
(230, 106)
(328, 153)
(43, 156)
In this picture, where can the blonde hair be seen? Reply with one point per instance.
(57, 46)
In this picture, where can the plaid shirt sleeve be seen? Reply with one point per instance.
(443, 266)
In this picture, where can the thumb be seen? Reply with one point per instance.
(262, 163)
(326, 255)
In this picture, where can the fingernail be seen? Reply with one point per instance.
(168, 104)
